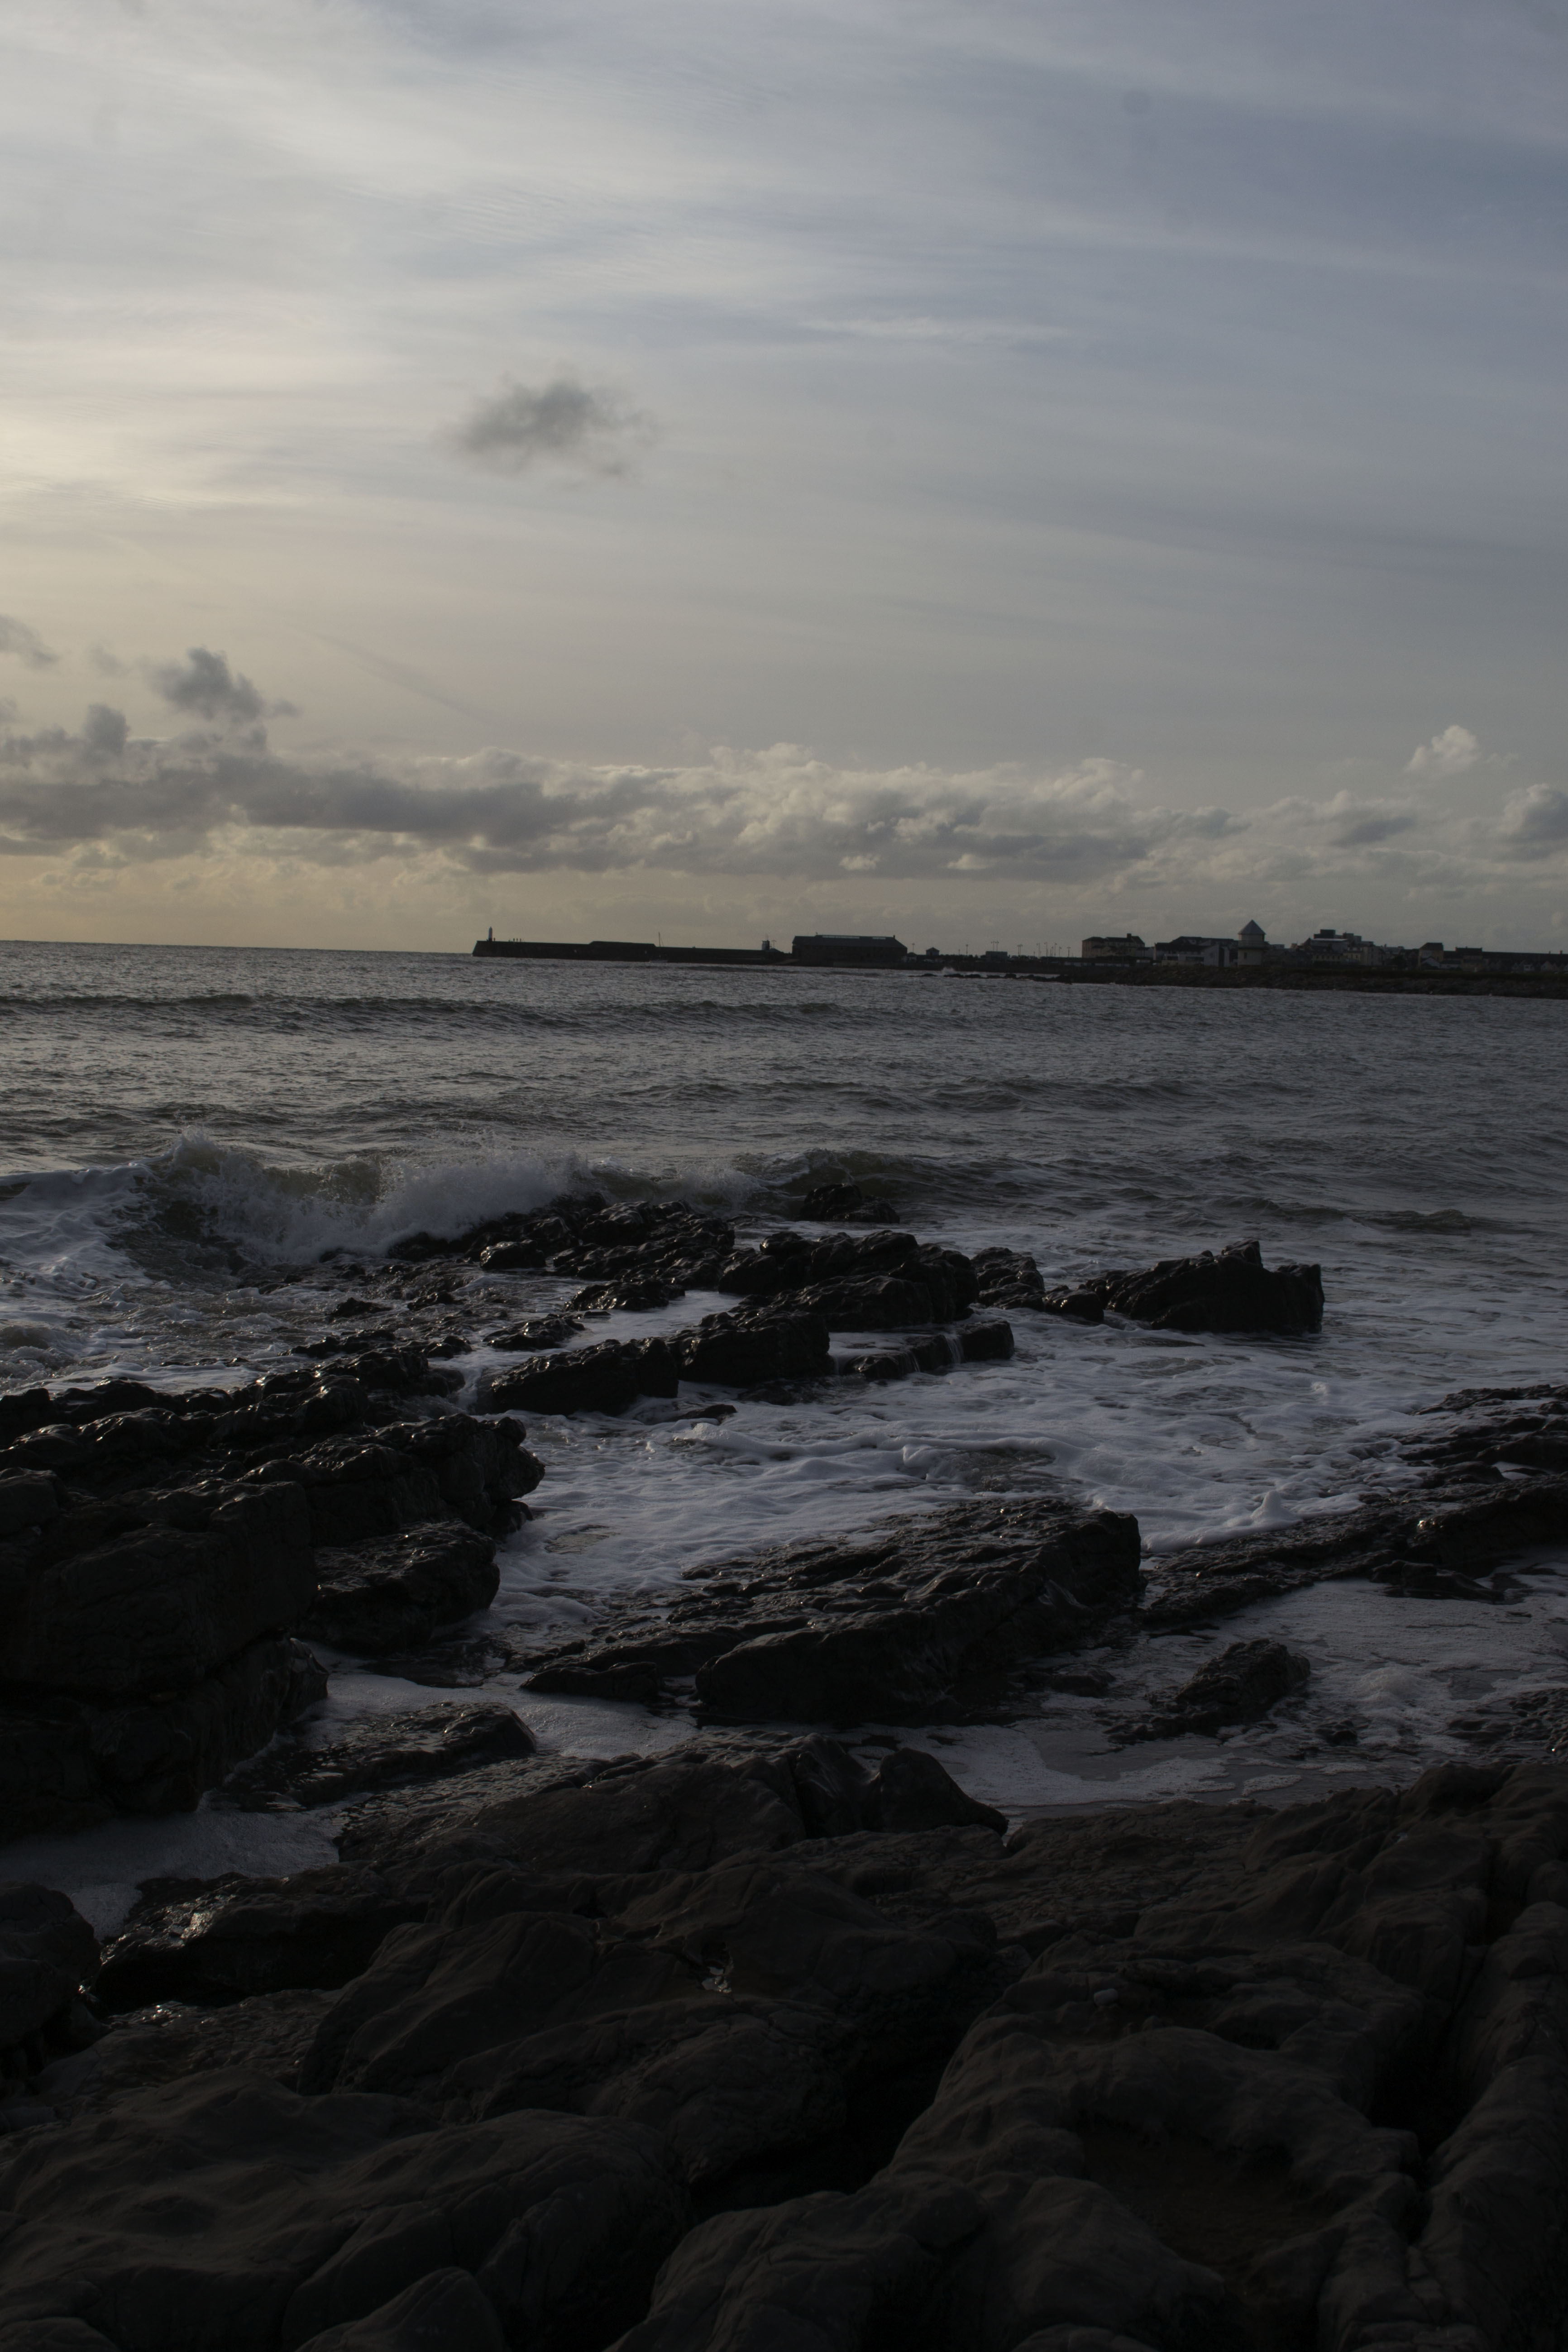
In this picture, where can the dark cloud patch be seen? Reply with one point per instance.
(1374, 826)
(564, 424)
(104, 733)
(204, 685)
(17, 637)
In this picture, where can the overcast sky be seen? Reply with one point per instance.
(989, 471)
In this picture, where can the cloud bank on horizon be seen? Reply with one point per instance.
(1121, 437)
(110, 804)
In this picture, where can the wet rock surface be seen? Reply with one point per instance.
(387, 1594)
(887, 1627)
(703, 2072)
(161, 1554)
(1229, 1290)
(380, 1751)
(1245, 1682)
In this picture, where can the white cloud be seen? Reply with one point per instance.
(1447, 754)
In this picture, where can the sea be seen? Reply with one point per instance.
(183, 1127)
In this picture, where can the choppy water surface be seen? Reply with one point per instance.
(181, 1126)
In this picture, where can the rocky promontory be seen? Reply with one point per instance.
(756, 2043)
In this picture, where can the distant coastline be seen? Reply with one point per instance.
(1075, 971)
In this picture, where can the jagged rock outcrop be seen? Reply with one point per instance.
(157, 1562)
(1230, 1290)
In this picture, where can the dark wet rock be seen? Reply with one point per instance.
(48, 1957)
(878, 1302)
(171, 2040)
(886, 1626)
(1161, 2137)
(512, 1257)
(459, 1660)
(582, 1235)
(882, 1281)
(146, 1649)
(846, 1203)
(66, 1765)
(387, 1752)
(745, 1350)
(535, 1336)
(1230, 1291)
(1008, 1278)
(230, 2211)
(444, 2309)
(352, 1343)
(24, 1410)
(454, 1465)
(150, 1594)
(219, 1941)
(909, 1790)
(1522, 1428)
(822, 2273)
(28, 1498)
(395, 1591)
(932, 1351)
(1439, 1539)
(985, 1343)
(1241, 1686)
(1223, 2078)
(683, 1814)
(1078, 1305)
(121, 1436)
(735, 2007)
(608, 1379)
(634, 1295)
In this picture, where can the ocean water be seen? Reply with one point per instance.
(181, 1128)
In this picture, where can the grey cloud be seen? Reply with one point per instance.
(779, 812)
(17, 637)
(205, 684)
(104, 733)
(1535, 822)
(1359, 828)
(563, 423)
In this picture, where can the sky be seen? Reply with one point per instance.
(991, 472)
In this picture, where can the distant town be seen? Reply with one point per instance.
(1103, 956)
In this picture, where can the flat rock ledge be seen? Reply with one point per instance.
(889, 1627)
(696, 2058)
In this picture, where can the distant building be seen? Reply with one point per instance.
(1194, 946)
(847, 948)
(1251, 944)
(1128, 948)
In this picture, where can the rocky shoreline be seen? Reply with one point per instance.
(747, 2044)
